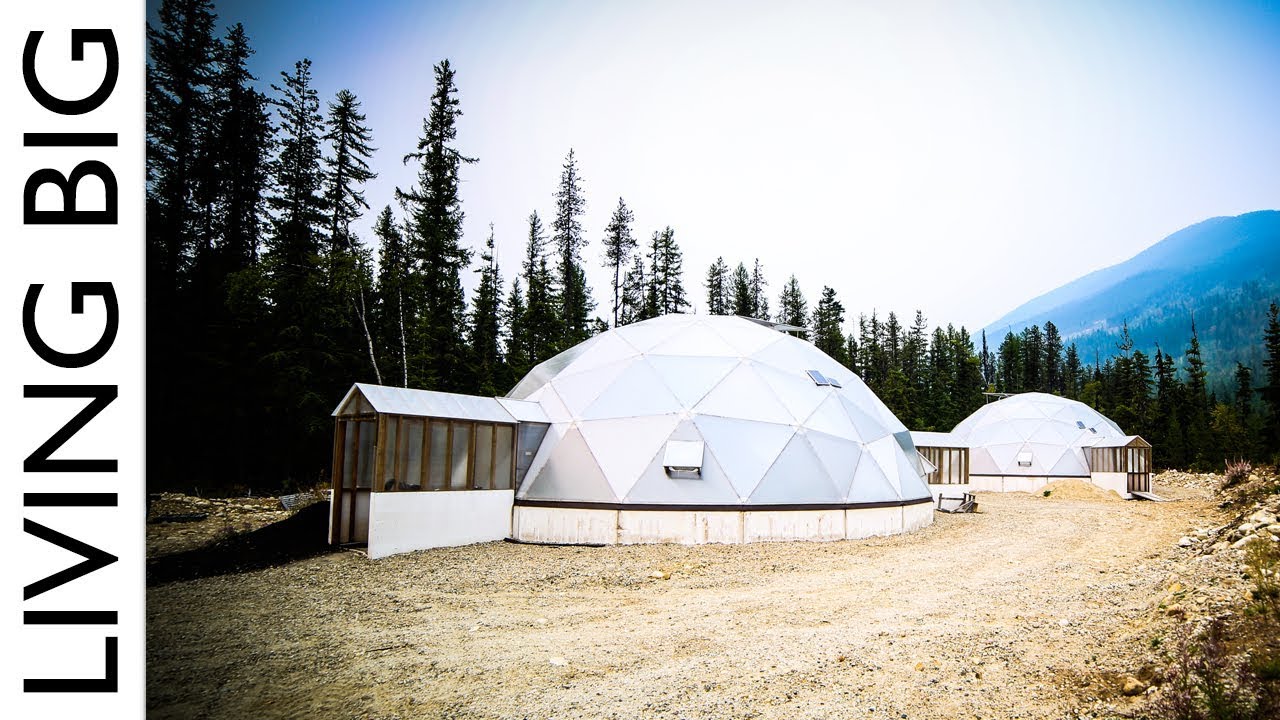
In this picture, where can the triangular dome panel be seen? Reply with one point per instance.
(571, 472)
(625, 447)
(797, 476)
(744, 449)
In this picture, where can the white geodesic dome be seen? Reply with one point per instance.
(1033, 434)
(771, 435)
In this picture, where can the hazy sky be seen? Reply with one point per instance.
(956, 157)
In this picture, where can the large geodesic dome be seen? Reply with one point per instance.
(781, 424)
(1033, 435)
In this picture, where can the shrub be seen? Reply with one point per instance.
(1237, 472)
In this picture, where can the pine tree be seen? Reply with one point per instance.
(485, 325)
(1271, 391)
(988, 360)
(541, 324)
(1033, 359)
(828, 326)
(635, 288)
(513, 334)
(566, 236)
(1197, 407)
(1168, 441)
(1053, 373)
(741, 286)
(346, 171)
(1009, 371)
(793, 309)
(718, 298)
(1072, 373)
(437, 355)
(393, 293)
(619, 243)
(666, 275)
(759, 292)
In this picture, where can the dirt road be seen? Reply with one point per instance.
(1034, 607)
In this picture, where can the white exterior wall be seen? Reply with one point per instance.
(872, 522)
(406, 521)
(771, 525)
(1116, 481)
(952, 490)
(916, 517)
(1012, 483)
(679, 526)
(572, 526)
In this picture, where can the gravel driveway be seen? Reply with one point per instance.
(1034, 607)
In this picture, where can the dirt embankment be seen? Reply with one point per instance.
(1034, 607)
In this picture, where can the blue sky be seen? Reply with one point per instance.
(956, 157)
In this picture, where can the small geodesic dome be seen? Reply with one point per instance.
(769, 421)
(1033, 435)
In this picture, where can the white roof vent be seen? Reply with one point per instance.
(683, 458)
(1024, 459)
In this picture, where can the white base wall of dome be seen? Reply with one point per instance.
(569, 526)
(577, 526)
(1116, 481)
(679, 526)
(402, 522)
(780, 525)
(1010, 483)
(950, 490)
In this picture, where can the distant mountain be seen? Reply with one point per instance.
(1222, 272)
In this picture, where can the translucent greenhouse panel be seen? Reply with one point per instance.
(789, 356)
(981, 462)
(911, 483)
(624, 448)
(437, 467)
(530, 436)
(868, 428)
(482, 474)
(643, 336)
(690, 378)
(1005, 457)
(503, 460)
(904, 441)
(368, 450)
(1069, 464)
(637, 392)
(349, 444)
(411, 433)
(388, 479)
(885, 453)
(693, 341)
(534, 379)
(570, 473)
(830, 418)
(797, 476)
(742, 394)
(747, 337)
(798, 394)
(606, 350)
(838, 456)
(711, 488)
(870, 484)
(1023, 429)
(745, 449)
(559, 362)
(580, 390)
(460, 457)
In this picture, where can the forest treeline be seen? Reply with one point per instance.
(263, 304)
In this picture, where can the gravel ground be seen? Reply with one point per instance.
(1034, 607)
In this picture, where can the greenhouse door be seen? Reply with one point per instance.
(354, 442)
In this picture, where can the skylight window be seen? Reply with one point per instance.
(1080, 424)
(820, 379)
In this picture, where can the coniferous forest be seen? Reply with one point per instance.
(263, 304)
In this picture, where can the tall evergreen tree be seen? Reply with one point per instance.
(1009, 371)
(485, 325)
(513, 334)
(1196, 397)
(438, 353)
(619, 243)
(828, 325)
(793, 309)
(1271, 390)
(541, 323)
(1168, 440)
(393, 293)
(566, 236)
(741, 287)
(988, 360)
(1033, 359)
(666, 274)
(1072, 373)
(759, 292)
(1053, 374)
(635, 294)
(346, 171)
(719, 300)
